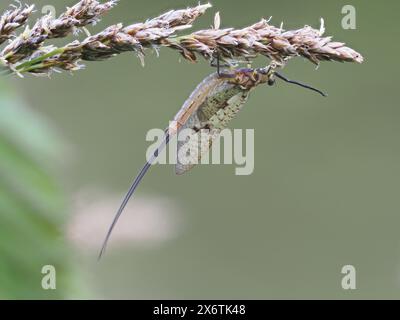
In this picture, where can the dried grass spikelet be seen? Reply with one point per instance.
(135, 37)
(311, 44)
(117, 39)
(265, 39)
(13, 19)
(27, 52)
(80, 15)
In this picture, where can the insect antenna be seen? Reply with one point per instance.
(282, 77)
(132, 190)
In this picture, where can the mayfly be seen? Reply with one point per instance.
(211, 106)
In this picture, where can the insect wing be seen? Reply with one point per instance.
(206, 124)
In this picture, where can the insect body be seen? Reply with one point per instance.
(211, 106)
(219, 107)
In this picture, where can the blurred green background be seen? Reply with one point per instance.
(324, 194)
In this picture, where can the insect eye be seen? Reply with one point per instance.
(271, 81)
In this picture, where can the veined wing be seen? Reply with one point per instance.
(206, 123)
(195, 101)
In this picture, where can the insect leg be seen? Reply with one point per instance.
(219, 72)
(216, 62)
(282, 77)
